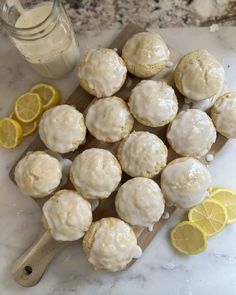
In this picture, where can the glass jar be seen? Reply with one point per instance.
(42, 32)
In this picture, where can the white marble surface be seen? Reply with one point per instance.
(160, 271)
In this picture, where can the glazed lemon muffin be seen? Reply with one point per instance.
(95, 173)
(38, 174)
(102, 72)
(110, 244)
(223, 114)
(67, 215)
(109, 119)
(62, 129)
(142, 154)
(153, 103)
(191, 133)
(185, 182)
(198, 75)
(145, 54)
(139, 201)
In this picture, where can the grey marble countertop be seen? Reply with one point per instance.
(151, 14)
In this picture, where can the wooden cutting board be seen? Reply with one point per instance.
(31, 265)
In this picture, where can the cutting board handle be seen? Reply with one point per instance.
(30, 266)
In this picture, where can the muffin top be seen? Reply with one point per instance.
(142, 154)
(198, 75)
(139, 201)
(103, 71)
(109, 119)
(223, 114)
(153, 103)
(62, 129)
(95, 173)
(185, 182)
(191, 133)
(38, 174)
(146, 48)
(68, 216)
(111, 244)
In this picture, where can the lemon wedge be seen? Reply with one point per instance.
(28, 107)
(28, 128)
(11, 133)
(227, 198)
(211, 216)
(188, 238)
(50, 95)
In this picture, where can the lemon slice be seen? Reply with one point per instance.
(228, 199)
(28, 107)
(188, 238)
(211, 216)
(28, 128)
(11, 133)
(50, 95)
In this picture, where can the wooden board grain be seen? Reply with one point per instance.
(30, 267)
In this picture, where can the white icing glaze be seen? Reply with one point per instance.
(142, 154)
(153, 102)
(109, 119)
(68, 215)
(139, 201)
(225, 115)
(38, 174)
(146, 48)
(103, 71)
(185, 182)
(113, 247)
(202, 77)
(62, 129)
(95, 173)
(192, 133)
(150, 227)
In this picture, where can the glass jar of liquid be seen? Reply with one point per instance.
(42, 32)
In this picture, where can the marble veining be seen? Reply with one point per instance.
(160, 271)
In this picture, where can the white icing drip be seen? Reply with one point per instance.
(185, 182)
(68, 215)
(169, 64)
(146, 48)
(94, 204)
(166, 215)
(209, 157)
(150, 227)
(192, 133)
(202, 77)
(138, 252)
(142, 154)
(153, 102)
(114, 246)
(38, 174)
(109, 119)
(103, 71)
(225, 115)
(139, 201)
(95, 173)
(62, 128)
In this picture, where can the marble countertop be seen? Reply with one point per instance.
(153, 14)
(160, 271)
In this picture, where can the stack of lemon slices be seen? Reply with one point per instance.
(205, 220)
(28, 109)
